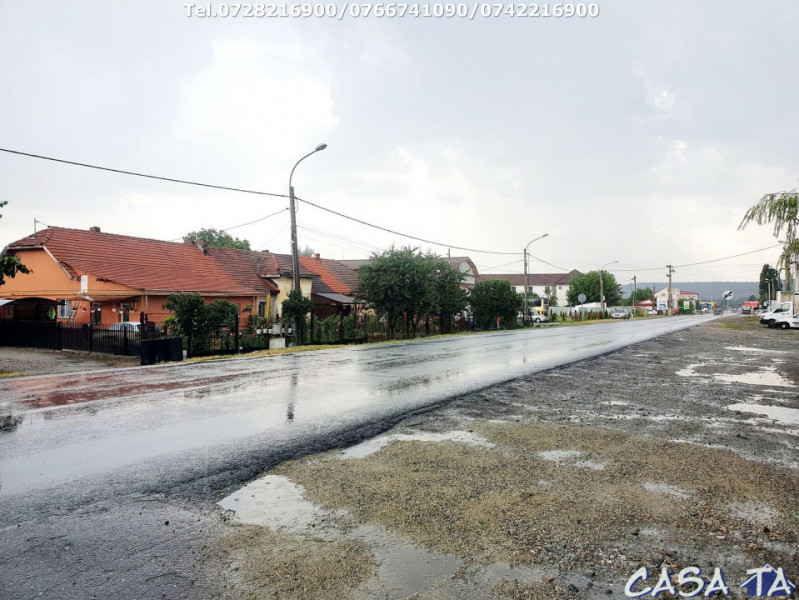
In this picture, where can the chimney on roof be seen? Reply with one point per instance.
(203, 245)
(316, 255)
(94, 228)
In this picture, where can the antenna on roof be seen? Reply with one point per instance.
(34, 226)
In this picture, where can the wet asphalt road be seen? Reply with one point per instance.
(92, 424)
(116, 462)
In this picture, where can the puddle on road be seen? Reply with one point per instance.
(277, 503)
(402, 569)
(764, 376)
(786, 416)
(375, 444)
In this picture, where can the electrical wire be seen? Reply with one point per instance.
(246, 191)
(145, 175)
(337, 213)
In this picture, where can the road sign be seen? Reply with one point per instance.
(727, 295)
(581, 298)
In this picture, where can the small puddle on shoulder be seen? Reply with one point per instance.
(756, 350)
(782, 414)
(766, 376)
(373, 445)
(275, 502)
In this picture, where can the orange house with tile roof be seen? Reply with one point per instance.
(87, 276)
(333, 288)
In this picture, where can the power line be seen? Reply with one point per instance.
(339, 214)
(405, 235)
(245, 191)
(145, 175)
(728, 257)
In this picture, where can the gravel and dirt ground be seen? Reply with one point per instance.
(681, 451)
(17, 362)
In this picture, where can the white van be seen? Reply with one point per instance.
(776, 310)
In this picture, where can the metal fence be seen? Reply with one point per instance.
(106, 339)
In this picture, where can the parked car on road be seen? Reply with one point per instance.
(537, 318)
(778, 310)
(651, 312)
(125, 326)
(786, 322)
(619, 313)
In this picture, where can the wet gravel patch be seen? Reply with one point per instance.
(18, 362)
(588, 472)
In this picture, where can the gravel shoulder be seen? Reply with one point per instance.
(680, 451)
(18, 362)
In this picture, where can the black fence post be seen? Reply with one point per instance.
(58, 335)
(91, 337)
(236, 332)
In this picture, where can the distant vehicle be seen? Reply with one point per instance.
(538, 318)
(749, 307)
(129, 326)
(619, 313)
(125, 326)
(651, 311)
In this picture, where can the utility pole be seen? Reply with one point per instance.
(526, 318)
(635, 294)
(602, 289)
(299, 322)
(668, 308)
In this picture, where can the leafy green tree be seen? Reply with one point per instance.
(405, 285)
(216, 238)
(781, 210)
(495, 298)
(639, 294)
(588, 284)
(307, 251)
(769, 275)
(294, 309)
(449, 297)
(197, 321)
(10, 265)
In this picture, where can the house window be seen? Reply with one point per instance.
(64, 309)
(261, 308)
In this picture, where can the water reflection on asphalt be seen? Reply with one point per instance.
(82, 424)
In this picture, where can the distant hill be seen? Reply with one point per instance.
(707, 290)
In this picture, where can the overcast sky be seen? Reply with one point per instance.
(639, 136)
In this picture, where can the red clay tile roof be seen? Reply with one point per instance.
(334, 276)
(537, 279)
(155, 265)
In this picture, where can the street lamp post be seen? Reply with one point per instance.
(526, 285)
(602, 288)
(295, 254)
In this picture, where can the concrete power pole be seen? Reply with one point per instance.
(635, 293)
(668, 308)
